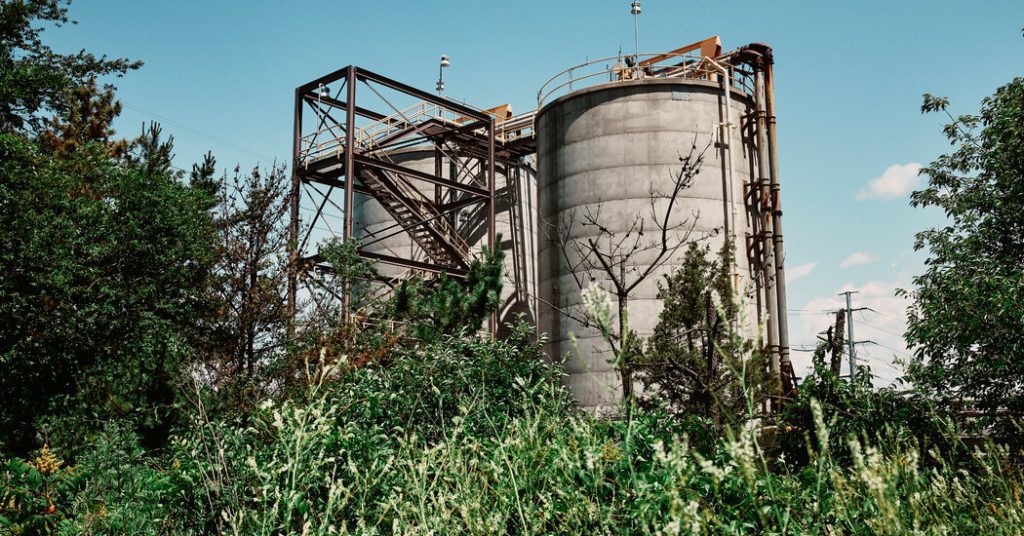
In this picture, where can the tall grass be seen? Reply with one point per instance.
(351, 461)
(479, 437)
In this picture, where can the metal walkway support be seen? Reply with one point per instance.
(348, 124)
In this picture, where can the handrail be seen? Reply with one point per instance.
(673, 64)
(506, 131)
(367, 137)
(423, 202)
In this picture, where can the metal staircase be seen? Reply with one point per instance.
(427, 227)
(323, 151)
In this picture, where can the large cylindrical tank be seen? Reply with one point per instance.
(516, 190)
(602, 151)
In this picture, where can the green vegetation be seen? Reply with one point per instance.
(695, 362)
(967, 322)
(149, 385)
(478, 437)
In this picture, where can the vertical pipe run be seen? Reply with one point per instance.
(723, 146)
(350, 175)
(767, 258)
(729, 193)
(780, 256)
(293, 224)
(491, 210)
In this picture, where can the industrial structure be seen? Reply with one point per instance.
(423, 182)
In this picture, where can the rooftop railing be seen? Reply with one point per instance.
(618, 68)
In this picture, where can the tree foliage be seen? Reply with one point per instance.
(450, 306)
(105, 266)
(697, 362)
(250, 276)
(35, 81)
(966, 324)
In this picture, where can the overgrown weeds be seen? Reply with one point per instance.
(479, 437)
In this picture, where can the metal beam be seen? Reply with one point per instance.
(409, 263)
(335, 103)
(293, 224)
(427, 177)
(350, 172)
(363, 74)
(340, 184)
(326, 79)
(491, 210)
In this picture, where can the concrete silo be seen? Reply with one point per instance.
(607, 154)
(605, 144)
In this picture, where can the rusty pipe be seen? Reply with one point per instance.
(779, 251)
(767, 242)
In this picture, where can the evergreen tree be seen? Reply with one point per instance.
(250, 276)
(452, 306)
(696, 362)
(35, 81)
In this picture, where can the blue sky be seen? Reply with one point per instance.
(849, 78)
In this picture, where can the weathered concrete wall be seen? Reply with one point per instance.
(517, 208)
(609, 146)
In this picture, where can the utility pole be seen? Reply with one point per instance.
(849, 331)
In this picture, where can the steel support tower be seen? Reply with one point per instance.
(347, 124)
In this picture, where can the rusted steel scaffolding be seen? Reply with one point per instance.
(347, 124)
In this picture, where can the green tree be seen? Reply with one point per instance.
(966, 323)
(88, 118)
(696, 361)
(451, 306)
(105, 269)
(249, 280)
(35, 81)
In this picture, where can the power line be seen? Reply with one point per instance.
(868, 358)
(900, 352)
(197, 132)
(879, 328)
(885, 314)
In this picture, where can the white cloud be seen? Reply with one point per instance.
(884, 324)
(896, 181)
(796, 272)
(857, 258)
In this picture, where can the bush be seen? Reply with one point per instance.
(105, 266)
(479, 437)
(855, 410)
(36, 494)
